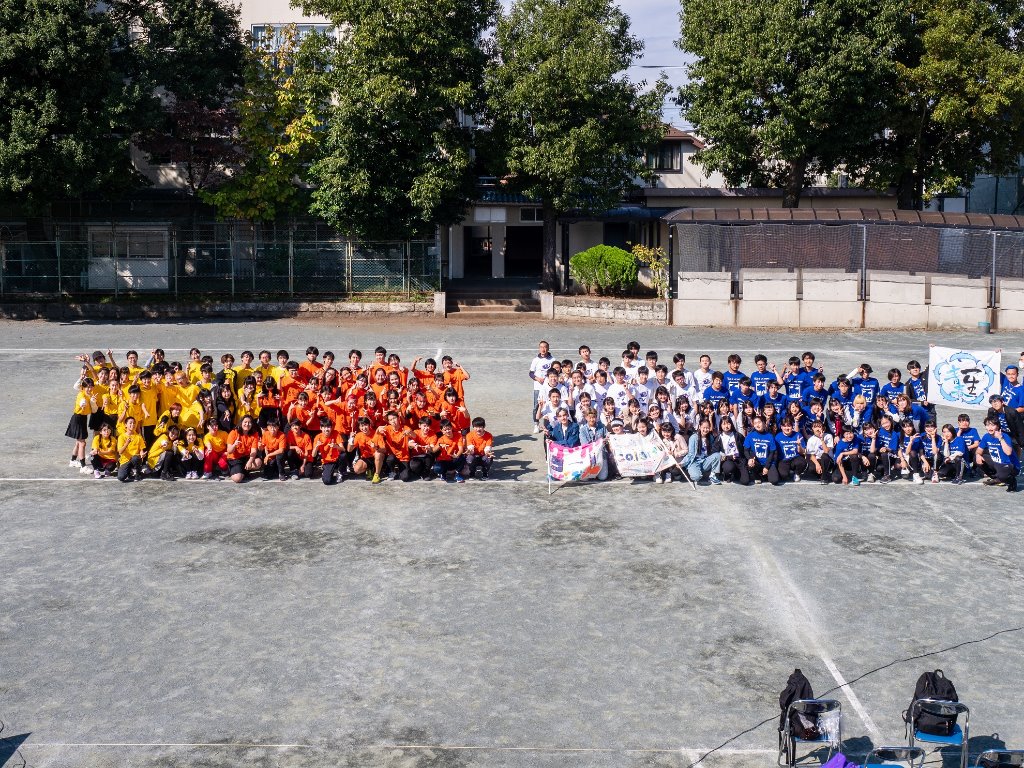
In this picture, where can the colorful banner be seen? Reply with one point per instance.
(566, 465)
(962, 378)
(637, 456)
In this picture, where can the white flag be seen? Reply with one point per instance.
(962, 378)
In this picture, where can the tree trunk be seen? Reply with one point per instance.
(549, 274)
(909, 191)
(794, 185)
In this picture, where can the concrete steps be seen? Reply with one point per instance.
(491, 307)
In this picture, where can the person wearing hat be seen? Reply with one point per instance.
(1011, 389)
(1009, 420)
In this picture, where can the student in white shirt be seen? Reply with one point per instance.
(538, 373)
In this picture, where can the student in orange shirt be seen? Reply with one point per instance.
(415, 413)
(359, 389)
(450, 453)
(379, 364)
(379, 383)
(371, 409)
(290, 386)
(309, 367)
(454, 375)
(479, 449)
(426, 376)
(269, 401)
(355, 357)
(327, 451)
(362, 447)
(242, 451)
(422, 449)
(304, 413)
(395, 363)
(300, 451)
(392, 457)
(452, 410)
(274, 443)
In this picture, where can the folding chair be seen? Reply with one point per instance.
(959, 736)
(1001, 758)
(813, 709)
(895, 757)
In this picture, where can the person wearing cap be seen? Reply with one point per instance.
(1011, 389)
(997, 456)
(1009, 420)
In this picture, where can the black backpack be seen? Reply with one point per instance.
(798, 687)
(933, 685)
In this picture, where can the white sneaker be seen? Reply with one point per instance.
(668, 479)
(796, 478)
(918, 480)
(74, 463)
(871, 477)
(97, 474)
(659, 480)
(86, 469)
(536, 429)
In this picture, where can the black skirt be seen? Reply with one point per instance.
(77, 427)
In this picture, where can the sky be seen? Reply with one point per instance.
(656, 22)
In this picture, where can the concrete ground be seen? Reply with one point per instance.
(488, 624)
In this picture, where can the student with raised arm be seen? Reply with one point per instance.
(538, 375)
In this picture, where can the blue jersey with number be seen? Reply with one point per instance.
(789, 445)
(732, 380)
(759, 445)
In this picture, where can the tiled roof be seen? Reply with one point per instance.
(844, 215)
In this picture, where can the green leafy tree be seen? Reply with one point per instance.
(784, 90)
(191, 54)
(396, 157)
(278, 120)
(68, 113)
(566, 127)
(955, 99)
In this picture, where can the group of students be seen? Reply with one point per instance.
(280, 420)
(779, 426)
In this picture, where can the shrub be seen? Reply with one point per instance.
(604, 269)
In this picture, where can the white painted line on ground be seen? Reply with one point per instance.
(567, 351)
(811, 635)
(445, 747)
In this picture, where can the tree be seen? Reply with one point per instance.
(278, 120)
(396, 157)
(784, 90)
(192, 57)
(68, 113)
(955, 99)
(566, 127)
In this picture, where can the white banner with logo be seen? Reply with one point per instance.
(962, 378)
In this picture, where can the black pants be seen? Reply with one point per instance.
(758, 472)
(731, 469)
(1004, 473)
(104, 465)
(886, 463)
(952, 469)
(166, 464)
(275, 466)
(149, 434)
(399, 468)
(853, 466)
(477, 461)
(419, 466)
(267, 415)
(327, 472)
(872, 464)
(192, 465)
(797, 464)
(442, 468)
(828, 465)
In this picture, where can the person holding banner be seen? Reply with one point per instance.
(1009, 420)
(565, 431)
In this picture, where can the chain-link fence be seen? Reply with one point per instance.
(113, 260)
(852, 247)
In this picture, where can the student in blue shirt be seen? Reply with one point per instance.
(917, 387)
(858, 413)
(817, 391)
(792, 383)
(792, 463)
(952, 464)
(760, 378)
(809, 371)
(1010, 421)
(761, 452)
(869, 451)
(865, 384)
(733, 375)
(774, 395)
(888, 448)
(931, 450)
(716, 392)
(996, 457)
(847, 456)
(1012, 392)
(971, 438)
(904, 410)
(910, 452)
(841, 390)
(895, 387)
(741, 395)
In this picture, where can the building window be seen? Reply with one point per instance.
(531, 214)
(484, 215)
(667, 157)
(270, 34)
(127, 244)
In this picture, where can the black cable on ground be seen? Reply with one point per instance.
(857, 679)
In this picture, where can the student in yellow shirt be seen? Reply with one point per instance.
(195, 363)
(151, 401)
(104, 452)
(132, 406)
(162, 456)
(131, 450)
(113, 399)
(100, 389)
(215, 447)
(169, 418)
(78, 427)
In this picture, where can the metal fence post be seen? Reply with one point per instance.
(252, 259)
(348, 267)
(231, 258)
(60, 282)
(408, 268)
(174, 259)
(992, 287)
(291, 260)
(863, 262)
